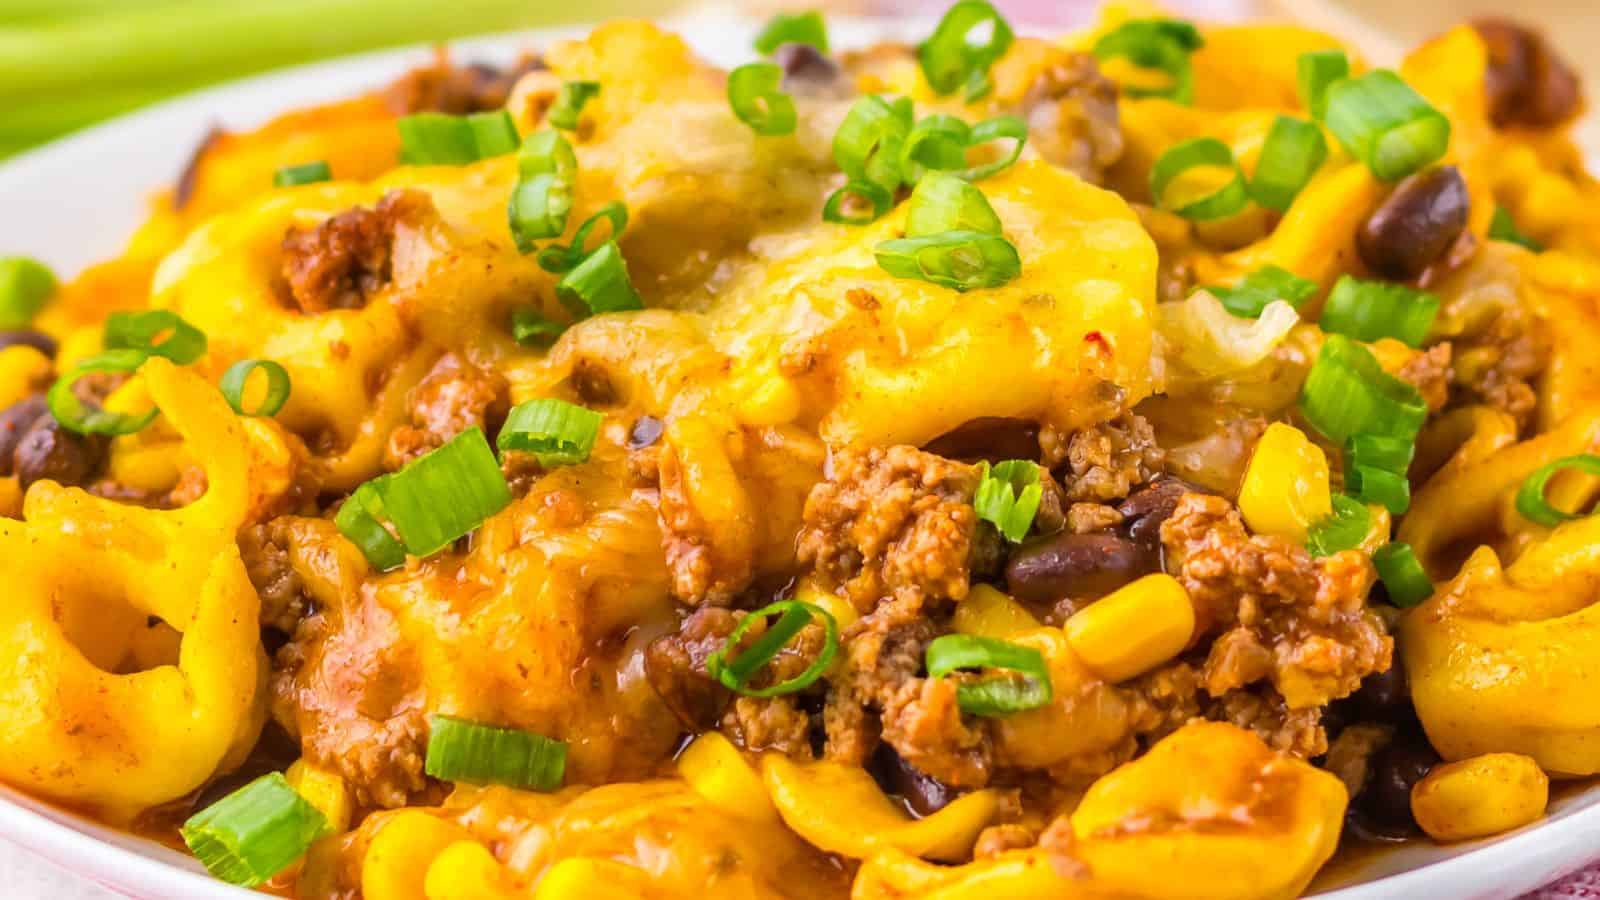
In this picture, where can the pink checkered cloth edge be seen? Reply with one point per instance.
(1583, 885)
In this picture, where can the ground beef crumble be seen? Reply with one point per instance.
(455, 396)
(342, 262)
(1105, 461)
(1429, 373)
(457, 90)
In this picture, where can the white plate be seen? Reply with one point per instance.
(77, 201)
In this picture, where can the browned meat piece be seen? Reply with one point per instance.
(342, 262)
(892, 525)
(1498, 367)
(1301, 623)
(265, 549)
(1297, 732)
(1429, 373)
(457, 90)
(1072, 117)
(1105, 461)
(922, 722)
(1527, 83)
(455, 396)
(1350, 756)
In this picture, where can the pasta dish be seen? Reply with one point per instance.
(1130, 465)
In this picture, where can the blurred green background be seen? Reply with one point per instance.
(65, 64)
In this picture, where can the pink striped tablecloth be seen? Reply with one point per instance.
(1584, 885)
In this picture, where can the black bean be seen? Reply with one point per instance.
(14, 423)
(990, 438)
(646, 431)
(47, 450)
(1384, 696)
(1145, 509)
(1527, 83)
(27, 337)
(1077, 566)
(923, 794)
(1386, 800)
(1416, 225)
(805, 68)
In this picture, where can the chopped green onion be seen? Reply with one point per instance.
(1250, 296)
(599, 284)
(867, 144)
(938, 142)
(558, 433)
(25, 285)
(1504, 228)
(962, 260)
(531, 329)
(255, 832)
(234, 380)
(998, 128)
(1318, 70)
(1027, 687)
(1008, 497)
(360, 520)
(1403, 576)
(970, 38)
(305, 173)
(1381, 121)
(1369, 310)
(1196, 153)
(183, 343)
(793, 616)
(857, 203)
(793, 28)
(463, 751)
(756, 99)
(944, 203)
(437, 139)
(1293, 152)
(547, 173)
(1164, 45)
(569, 103)
(432, 502)
(1347, 393)
(556, 258)
(1530, 497)
(1387, 488)
(75, 416)
(1376, 451)
(1343, 529)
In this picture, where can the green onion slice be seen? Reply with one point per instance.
(793, 616)
(1389, 489)
(557, 259)
(1195, 153)
(181, 342)
(1504, 228)
(1008, 497)
(433, 501)
(1026, 686)
(599, 284)
(74, 415)
(530, 328)
(569, 103)
(1317, 71)
(756, 99)
(1403, 576)
(961, 260)
(1369, 310)
(939, 143)
(437, 139)
(1250, 296)
(558, 433)
(464, 751)
(970, 38)
(1376, 451)
(1347, 393)
(867, 144)
(857, 203)
(943, 203)
(1164, 45)
(1381, 121)
(25, 285)
(547, 173)
(1294, 151)
(255, 832)
(1530, 497)
(1343, 529)
(793, 28)
(305, 173)
(234, 380)
(999, 128)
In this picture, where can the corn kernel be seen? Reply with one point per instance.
(719, 773)
(1134, 629)
(808, 591)
(1285, 487)
(987, 612)
(1480, 796)
(400, 854)
(466, 870)
(322, 789)
(23, 370)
